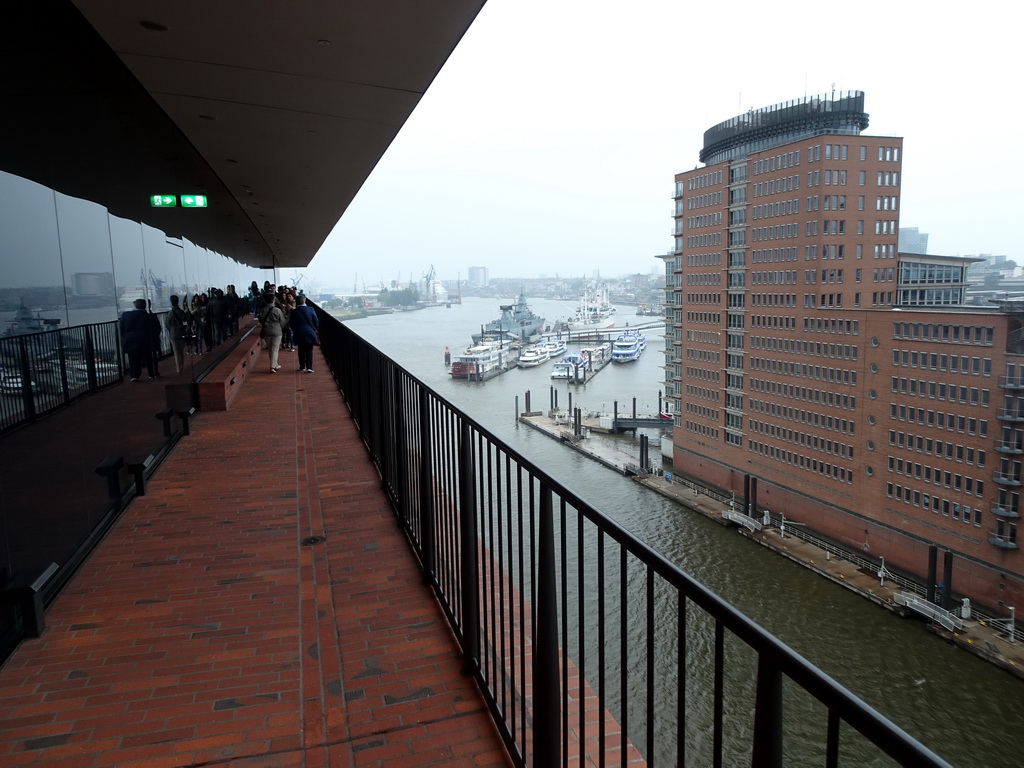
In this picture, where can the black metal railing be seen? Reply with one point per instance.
(584, 641)
(41, 372)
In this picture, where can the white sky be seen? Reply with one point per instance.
(549, 141)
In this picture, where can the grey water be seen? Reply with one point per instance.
(964, 709)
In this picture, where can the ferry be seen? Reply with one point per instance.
(482, 361)
(628, 346)
(533, 356)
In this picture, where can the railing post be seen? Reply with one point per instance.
(547, 717)
(401, 450)
(27, 396)
(90, 360)
(767, 746)
(427, 555)
(468, 552)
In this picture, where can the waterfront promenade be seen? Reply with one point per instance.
(257, 607)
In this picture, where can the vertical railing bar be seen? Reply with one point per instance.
(487, 649)
(451, 516)
(533, 552)
(767, 742)
(832, 740)
(546, 697)
(581, 612)
(501, 683)
(719, 694)
(650, 668)
(681, 682)
(623, 654)
(467, 547)
(522, 605)
(564, 725)
(488, 564)
(401, 451)
(426, 489)
(601, 659)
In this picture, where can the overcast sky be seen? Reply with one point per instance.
(549, 141)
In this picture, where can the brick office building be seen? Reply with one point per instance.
(819, 373)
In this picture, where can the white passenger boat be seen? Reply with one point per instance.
(533, 356)
(628, 346)
(555, 347)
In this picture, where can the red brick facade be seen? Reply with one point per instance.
(847, 379)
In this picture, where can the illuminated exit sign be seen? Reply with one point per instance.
(171, 201)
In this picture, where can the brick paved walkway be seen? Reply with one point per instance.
(258, 607)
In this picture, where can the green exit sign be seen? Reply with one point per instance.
(193, 201)
(163, 201)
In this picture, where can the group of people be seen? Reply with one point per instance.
(287, 323)
(209, 318)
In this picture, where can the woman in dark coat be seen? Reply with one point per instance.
(306, 326)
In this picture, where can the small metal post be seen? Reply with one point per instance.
(185, 416)
(1013, 616)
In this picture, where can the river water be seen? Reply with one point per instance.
(966, 710)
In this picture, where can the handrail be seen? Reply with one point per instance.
(577, 632)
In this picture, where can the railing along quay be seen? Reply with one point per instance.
(585, 642)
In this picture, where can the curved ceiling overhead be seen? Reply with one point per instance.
(277, 111)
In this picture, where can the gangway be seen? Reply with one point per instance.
(745, 520)
(939, 615)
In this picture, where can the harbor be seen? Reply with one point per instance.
(903, 667)
(987, 639)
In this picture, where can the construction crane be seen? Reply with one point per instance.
(428, 283)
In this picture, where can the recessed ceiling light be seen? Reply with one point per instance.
(207, 117)
(153, 26)
(323, 42)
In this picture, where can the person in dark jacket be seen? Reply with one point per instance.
(136, 340)
(305, 325)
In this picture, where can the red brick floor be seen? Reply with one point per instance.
(211, 628)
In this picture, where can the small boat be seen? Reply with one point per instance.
(555, 347)
(482, 361)
(572, 366)
(533, 356)
(628, 346)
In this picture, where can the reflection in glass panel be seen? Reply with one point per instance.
(33, 288)
(85, 253)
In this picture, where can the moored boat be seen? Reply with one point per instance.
(555, 347)
(482, 361)
(517, 323)
(594, 312)
(573, 365)
(533, 356)
(628, 346)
